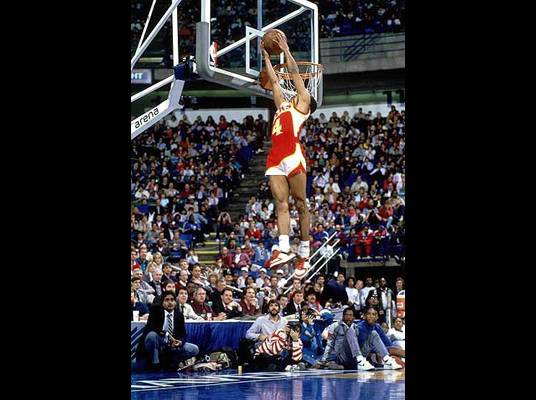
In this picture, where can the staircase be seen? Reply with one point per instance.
(249, 185)
(207, 254)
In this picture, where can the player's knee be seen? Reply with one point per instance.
(301, 205)
(282, 206)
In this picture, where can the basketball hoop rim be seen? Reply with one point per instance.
(304, 75)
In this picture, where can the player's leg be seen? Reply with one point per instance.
(298, 184)
(280, 191)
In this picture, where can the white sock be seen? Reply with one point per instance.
(284, 243)
(304, 250)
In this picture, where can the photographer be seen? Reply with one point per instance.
(309, 337)
(281, 351)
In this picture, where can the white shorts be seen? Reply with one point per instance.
(290, 165)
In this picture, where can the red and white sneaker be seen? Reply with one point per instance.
(278, 258)
(302, 265)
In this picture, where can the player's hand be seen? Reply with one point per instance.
(264, 52)
(262, 336)
(294, 334)
(281, 41)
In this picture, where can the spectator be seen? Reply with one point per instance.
(372, 339)
(156, 282)
(353, 295)
(249, 303)
(282, 299)
(144, 290)
(241, 280)
(167, 276)
(397, 334)
(136, 304)
(197, 278)
(185, 308)
(266, 325)
(182, 281)
(200, 305)
(335, 291)
(296, 285)
(365, 291)
(228, 306)
(270, 339)
(294, 307)
(260, 280)
(387, 298)
(309, 338)
(164, 337)
(343, 343)
(373, 300)
(313, 303)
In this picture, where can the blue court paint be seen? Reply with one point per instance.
(228, 385)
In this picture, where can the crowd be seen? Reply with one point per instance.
(336, 18)
(355, 186)
(183, 172)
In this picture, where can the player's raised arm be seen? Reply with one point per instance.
(276, 88)
(304, 98)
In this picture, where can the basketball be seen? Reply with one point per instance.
(270, 44)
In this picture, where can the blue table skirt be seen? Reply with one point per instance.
(209, 336)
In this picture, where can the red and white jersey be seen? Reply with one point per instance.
(274, 345)
(286, 128)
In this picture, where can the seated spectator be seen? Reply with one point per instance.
(227, 258)
(197, 277)
(250, 282)
(139, 295)
(185, 308)
(282, 299)
(397, 334)
(182, 281)
(200, 305)
(311, 344)
(295, 305)
(137, 305)
(296, 285)
(353, 295)
(228, 306)
(240, 259)
(342, 345)
(374, 300)
(261, 254)
(241, 280)
(313, 303)
(335, 291)
(156, 282)
(249, 303)
(167, 286)
(372, 339)
(363, 242)
(144, 290)
(166, 273)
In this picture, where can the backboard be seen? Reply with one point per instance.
(236, 29)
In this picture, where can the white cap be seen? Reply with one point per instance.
(279, 271)
(262, 270)
(244, 269)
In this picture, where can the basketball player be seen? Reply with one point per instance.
(286, 165)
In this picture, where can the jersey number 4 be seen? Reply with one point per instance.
(276, 130)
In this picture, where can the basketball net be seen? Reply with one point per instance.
(311, 74)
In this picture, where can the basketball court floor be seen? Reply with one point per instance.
(229, 385)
